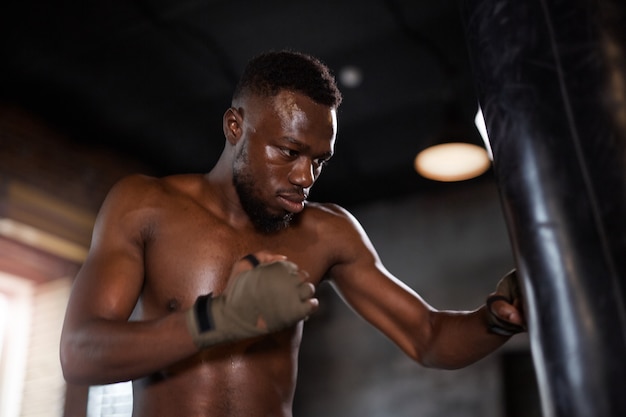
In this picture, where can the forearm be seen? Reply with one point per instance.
(459, 339)
(103, 351)
(98, 351)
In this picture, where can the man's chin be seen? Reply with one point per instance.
(273, 224)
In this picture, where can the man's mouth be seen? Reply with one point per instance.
(292, 202)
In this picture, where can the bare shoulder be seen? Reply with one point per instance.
(131, 188)
(330, 208)
(140, 185)
(143, 191)
(339, 245)
(341, 233)
(333, 218)
(135, 201)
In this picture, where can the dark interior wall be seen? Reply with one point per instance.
(452, 248)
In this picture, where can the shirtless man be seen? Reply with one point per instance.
(139, 309)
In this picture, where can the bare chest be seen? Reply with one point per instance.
(193, 255)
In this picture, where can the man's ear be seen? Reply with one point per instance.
(232, 125)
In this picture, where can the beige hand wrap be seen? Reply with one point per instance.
(273, 292)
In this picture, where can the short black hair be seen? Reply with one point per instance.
(268, 73)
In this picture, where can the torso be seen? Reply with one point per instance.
(189, 250)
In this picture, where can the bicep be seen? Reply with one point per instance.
(107, 286)
(109, 282)
(380, 298)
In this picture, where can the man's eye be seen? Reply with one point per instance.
(322, 162)
(289, 152)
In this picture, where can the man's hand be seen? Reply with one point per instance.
(259, 300)
(505, 307)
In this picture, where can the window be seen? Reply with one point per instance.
(114, 400)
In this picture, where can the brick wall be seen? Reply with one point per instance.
(53, 185)
(33, 153)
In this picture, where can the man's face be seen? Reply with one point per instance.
(252, 201)
(286, 141)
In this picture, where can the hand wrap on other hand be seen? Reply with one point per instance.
(507, 290)
(265, 299)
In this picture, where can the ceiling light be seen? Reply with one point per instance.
(455, 161)
(350, 76)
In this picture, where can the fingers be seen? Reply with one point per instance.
(306, 293)
(266, 257)
(505, 314)
(310, 304)
(503, 318)
(313, 305)
(506, 311)
(254, 259)
(306, 290)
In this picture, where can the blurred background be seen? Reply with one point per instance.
(94, 91)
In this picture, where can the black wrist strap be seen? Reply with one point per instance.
(202, 310)
(252, 259)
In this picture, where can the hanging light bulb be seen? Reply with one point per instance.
(454, 161)
(452, 157)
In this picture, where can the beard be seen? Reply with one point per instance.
(251, 203)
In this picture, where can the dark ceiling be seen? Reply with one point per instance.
(153, 77)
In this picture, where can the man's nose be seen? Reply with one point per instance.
(302, 173)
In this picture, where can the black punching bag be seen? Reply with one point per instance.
(551, 81)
